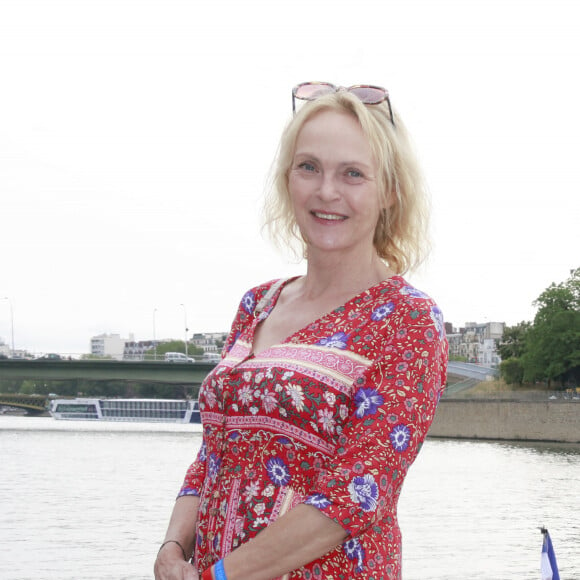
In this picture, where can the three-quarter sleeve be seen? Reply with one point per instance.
(393, 406)
(195, 475)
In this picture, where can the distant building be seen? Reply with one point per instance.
(486, 330)
(476, 342)
(109, 345)
(136, 350)
(209, 341)
(487, 354)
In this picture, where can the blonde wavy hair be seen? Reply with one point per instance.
(401, 237)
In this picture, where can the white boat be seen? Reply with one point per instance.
(137, 410)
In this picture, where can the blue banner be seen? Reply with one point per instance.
(549, 567)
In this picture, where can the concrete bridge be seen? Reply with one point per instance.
(106, 370)
(472, 371)
(470, 374)
(154, 371)
(96, 370)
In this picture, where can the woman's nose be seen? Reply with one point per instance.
(328, 189)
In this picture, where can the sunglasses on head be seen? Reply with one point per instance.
(367, 94)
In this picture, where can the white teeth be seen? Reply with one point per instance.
(328, 216)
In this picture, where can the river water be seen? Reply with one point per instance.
(84, 500)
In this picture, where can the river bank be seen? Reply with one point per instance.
(514, 420)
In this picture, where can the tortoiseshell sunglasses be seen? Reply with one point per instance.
(367, 94)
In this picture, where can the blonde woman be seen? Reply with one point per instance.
(329, 381)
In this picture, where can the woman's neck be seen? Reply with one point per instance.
(335, 275)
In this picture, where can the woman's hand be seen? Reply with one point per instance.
(179, 542)
(170, 565)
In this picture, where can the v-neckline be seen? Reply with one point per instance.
(274, 300)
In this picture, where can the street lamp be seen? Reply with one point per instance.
(154, 341)
(185, 324)
(11, 322)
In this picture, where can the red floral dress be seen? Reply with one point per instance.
(332, 417)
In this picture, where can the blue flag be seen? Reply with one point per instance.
(549, 566)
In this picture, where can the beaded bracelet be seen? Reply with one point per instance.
(173, 542)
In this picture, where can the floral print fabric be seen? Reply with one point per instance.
(333, 417)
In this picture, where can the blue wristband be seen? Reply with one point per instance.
(219, 572)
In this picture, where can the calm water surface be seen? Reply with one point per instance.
(81, 500)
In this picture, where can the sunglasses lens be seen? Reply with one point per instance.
(310, 91)
(369, 95)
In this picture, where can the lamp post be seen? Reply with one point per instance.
(154, 340)
(11, 323)
(185, 324)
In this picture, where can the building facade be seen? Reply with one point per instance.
(109, 345)
(210, 341)
(136, 350)
(477, 343)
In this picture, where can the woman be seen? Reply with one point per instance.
(329, 381)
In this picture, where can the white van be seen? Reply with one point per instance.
(177, 357)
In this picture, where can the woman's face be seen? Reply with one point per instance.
(333, 186)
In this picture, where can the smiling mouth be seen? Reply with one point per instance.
(328, 216)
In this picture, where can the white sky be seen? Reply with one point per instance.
(136, 137)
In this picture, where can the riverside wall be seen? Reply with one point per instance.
(557, 420)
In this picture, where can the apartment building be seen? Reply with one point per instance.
(109, 345)
(209, 341)
(477, 342)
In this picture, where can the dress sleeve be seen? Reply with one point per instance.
(195, 475)
(394, 404)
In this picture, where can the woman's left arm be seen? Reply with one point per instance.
(394, 406)
(298, 537)
(395, 402)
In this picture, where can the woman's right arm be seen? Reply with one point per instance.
(170, 564)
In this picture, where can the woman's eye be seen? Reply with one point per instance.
(354, 173)
(306, 166)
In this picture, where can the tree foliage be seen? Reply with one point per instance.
(513, 342)
(549, 348)
(512, 371)
(172, 346)
(553, 345)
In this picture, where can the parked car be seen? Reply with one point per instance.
(177, 357)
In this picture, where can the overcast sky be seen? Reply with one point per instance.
(136, 138)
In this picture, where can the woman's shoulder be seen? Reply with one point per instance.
(402, 293)
(255, 298)
(409, 302)
(263, 286)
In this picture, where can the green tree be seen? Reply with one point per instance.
(513, 341)
(10, 385)
(553, 342)
(28, 388)
(512, 371)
